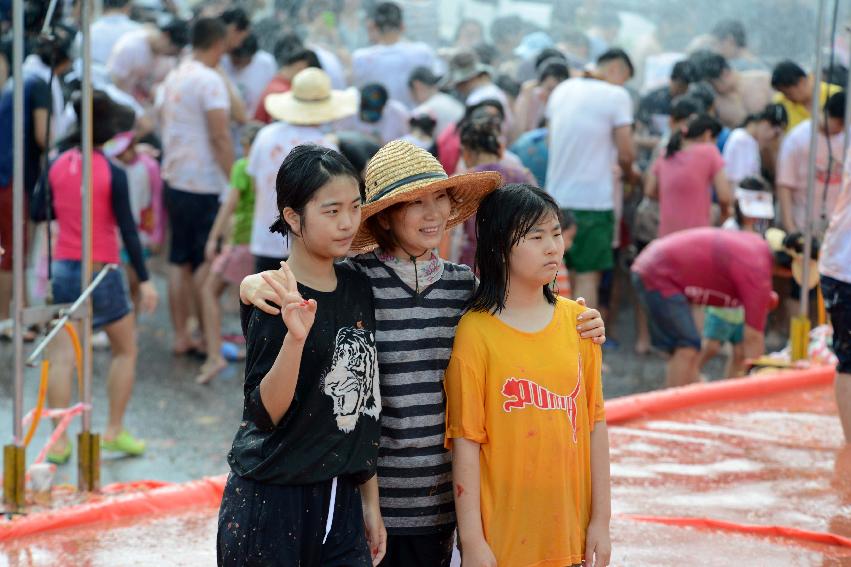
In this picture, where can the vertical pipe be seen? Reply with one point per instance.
(815, 114)
(18, 213)
(847, 99)
(86, 194)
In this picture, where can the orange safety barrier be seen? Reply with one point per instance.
(639, 406)
(170, 498)
(753, 529)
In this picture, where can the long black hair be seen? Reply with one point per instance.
(504, 218)
(696, 128)
(304, 171)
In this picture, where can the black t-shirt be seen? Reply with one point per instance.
(332, 426)
(36, 97)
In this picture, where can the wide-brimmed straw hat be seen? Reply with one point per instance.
(312, 100)
(401, 172)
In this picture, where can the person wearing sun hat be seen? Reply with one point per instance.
(419, 299)
(302, 116)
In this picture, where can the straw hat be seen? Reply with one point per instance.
(311, 100)
(402, 172)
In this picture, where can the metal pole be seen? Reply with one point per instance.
(847, 99)
(18, 213)
(86, 193)
(815, 114)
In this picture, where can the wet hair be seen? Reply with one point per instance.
(615, 54)
(481, 136)
(247, 49)
(786, 74)
(683, 72)
(708, 65)
(546, 54)
(306, 169)
(685, 106)
(731, 28)
(835, 106)
(423, 122)
(387, 16)
(508, 85)
(696, 128)
(703, 92)
(206, 32)
(423, 75)
(504, 218)
(237, 17)
(554, 68)
(177, 31)
(285, 46)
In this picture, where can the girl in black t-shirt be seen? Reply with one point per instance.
(302, 488)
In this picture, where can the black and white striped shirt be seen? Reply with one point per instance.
(414, 335)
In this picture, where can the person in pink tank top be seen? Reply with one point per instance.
(111, 309)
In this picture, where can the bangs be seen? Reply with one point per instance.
(528, 217)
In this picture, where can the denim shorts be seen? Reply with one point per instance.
(837, 301)
(110, 300)
(669, 318)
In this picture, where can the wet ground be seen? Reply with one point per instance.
(189, 428)
(775, 461)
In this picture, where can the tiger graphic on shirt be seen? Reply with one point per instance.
(522, 392)
(352, 380)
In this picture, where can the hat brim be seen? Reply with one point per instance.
(284, 106)
(454, 77)
(467, 189)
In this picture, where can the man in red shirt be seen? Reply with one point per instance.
(702, 266)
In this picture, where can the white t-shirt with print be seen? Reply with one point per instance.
(132, 59)
(268, 151)
(252, 79)
(582, 115)
(187, 94)
(391, 66)
(741, 156)
(835, 256)
(792, 165)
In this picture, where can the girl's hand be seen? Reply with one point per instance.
(591, 324)
(148, 297)
(598, 544)
(298, 314)
(376, 533)
(255, 289)
(478, 554)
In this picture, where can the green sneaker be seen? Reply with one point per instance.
(60, 458)
(124, 443)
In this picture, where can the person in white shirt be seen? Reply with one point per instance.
(133, 63)
(590, 120)
(110, 27)
(742, 152)
(302, 115)
(835, 270)
(390, 60)
(472, 80)
(197, 157)
(793, 164)
(250, 70)
(445, 108)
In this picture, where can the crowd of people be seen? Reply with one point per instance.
(254, 150)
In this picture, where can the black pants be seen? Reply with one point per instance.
(270, 525)
(427, 550)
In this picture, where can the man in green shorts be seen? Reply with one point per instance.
(590, 122)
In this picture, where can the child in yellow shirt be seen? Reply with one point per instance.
(525, 417)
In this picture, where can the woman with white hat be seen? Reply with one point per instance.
(419, 298)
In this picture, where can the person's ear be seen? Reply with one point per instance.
(293, 220)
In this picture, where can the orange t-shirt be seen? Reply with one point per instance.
(531, 400)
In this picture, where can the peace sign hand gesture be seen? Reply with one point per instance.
(297, 313)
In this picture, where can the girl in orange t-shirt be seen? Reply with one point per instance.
(525, 417)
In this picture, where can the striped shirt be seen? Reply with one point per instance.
(414, 335)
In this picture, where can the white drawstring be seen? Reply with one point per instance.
(330, 509)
